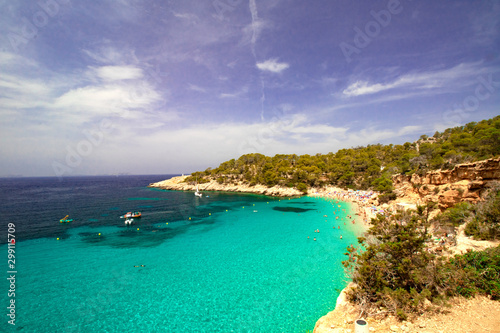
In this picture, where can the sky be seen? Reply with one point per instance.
(162, 87)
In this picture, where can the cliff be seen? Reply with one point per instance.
(465, 182)
(178, 184)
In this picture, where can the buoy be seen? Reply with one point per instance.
(99, 234)
(137, 228)
(209, 213)
(57, 238)
(190, 218)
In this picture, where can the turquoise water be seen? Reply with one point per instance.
(251, 268)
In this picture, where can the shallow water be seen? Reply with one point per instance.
(223, 263)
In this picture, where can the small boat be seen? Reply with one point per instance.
(65, 219)
(131, 215)
(129, 221)
(198, 193)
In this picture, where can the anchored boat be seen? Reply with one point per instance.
(131, 215)
(198, 193)
(65, 219)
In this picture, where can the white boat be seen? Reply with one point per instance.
(198, 193)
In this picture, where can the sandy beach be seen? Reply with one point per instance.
(364, 204)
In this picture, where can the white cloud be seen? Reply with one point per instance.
(196, 88)
(111, 55)
(236, 94)
(458, 76)
(272, 65)
(364, 88)
(117, 73)
(186, 16)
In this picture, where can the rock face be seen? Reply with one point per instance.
(178, 184)
(465, 182)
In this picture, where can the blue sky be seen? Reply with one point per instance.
(144, 87)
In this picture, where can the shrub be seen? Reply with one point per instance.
(475, 273)
(394, 271)
(386, 197)
(302, 187)
(457, 214)
(486, 224)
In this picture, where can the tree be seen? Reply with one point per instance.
(394, 271)
(302, 187)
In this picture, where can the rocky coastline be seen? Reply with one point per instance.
(178, 184)
(465, 182)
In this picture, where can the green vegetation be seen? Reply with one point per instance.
(394, 272)
(485, 223)
(397, 272)
(369, 167)
(475, 273)
(482, 219)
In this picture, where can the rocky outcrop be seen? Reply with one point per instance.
(465, 182)
(178, 184)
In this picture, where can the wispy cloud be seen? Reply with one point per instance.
(194, 87)
(118, 73)
(460, 75)
(110, 55)
(272, 65)
(236, 94)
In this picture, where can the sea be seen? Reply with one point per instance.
(224, 262)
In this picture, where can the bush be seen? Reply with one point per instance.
(394, 271)
(386, 197)
(486, 223)
(457, 214)
(302, 187)
(475, 273)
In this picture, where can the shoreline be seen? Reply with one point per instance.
(178, 184)
(364, 204)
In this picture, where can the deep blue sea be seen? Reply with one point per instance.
(221, 263)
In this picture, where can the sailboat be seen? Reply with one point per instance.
(198, 193)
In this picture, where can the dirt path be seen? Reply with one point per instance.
(465, 243)
(479, 314)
